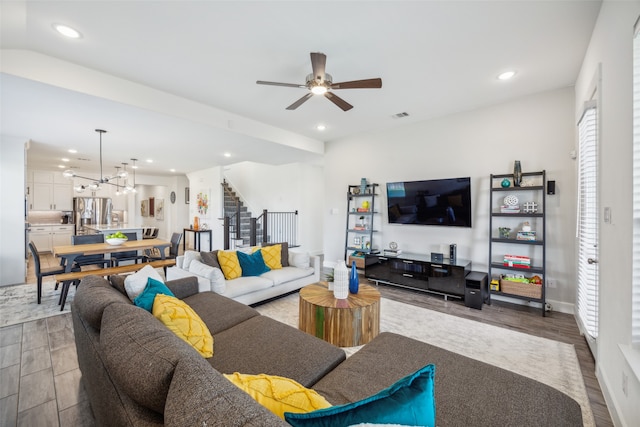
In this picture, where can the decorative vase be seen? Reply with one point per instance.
(340, 281)
(505, 183)
(517, 174)
(363, 185)
(196, 223)
(354, 281)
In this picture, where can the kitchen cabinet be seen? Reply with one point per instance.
(49, 191)
(49, 196)
(45, 237)
(41, 237)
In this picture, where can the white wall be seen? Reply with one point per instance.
(284, 188)
(208, 182)
(12, 187)
(611, 46)
(537, 130)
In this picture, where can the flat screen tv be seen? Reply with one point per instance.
(445, 202)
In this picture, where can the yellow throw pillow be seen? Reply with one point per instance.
(272, 256)
(279, 394)
(229, 264)
(184, 322)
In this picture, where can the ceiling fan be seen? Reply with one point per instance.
(321, 83)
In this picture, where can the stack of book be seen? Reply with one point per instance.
(526, 235)
(510, 208)
(392, 252)
(517, 261)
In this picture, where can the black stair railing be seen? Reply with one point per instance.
(270, 227)
(276, 227)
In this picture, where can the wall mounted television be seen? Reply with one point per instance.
(444, 202)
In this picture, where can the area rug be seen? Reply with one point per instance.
(550, 362)
(18, 303)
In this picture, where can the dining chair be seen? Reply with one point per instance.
(154, 255)
(118, 257)
(44, 271)
(173, 250)
(84, 260)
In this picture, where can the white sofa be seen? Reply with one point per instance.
(303, 269)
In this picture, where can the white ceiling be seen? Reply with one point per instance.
(434, 58)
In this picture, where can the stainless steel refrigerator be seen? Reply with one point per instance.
(91, 211)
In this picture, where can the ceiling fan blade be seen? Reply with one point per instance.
(338, 101)
(359, 84)
(318, 62)
(261, 82)
(299, 102)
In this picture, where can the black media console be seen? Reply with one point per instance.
(417, 271)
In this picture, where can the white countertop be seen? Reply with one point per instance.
(101, 228)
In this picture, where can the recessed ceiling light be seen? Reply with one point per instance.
(227, 154)
(149, 160)
(67, 31)
(506, 75)
(62, 166)
(321, 127)
(64, 159)
(72, 150)
(172, 170)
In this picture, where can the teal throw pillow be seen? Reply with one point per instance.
(148, 295)
(409, 401)
(252, 265)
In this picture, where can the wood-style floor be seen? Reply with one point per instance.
(556, 326)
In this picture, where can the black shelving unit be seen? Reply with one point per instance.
(500, 246)
(356, 195)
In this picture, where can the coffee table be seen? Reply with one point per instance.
(343, 322)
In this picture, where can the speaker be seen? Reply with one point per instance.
(551, 187)
(437, 257)
(452, 252)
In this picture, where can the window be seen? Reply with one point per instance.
(587, 299)
(635, 310)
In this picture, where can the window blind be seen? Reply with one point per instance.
(635, 297)
(587, 299)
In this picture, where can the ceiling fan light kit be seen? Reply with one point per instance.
(321, 83)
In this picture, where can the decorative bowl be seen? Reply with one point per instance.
(115, 241)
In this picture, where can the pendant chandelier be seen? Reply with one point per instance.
(96, 183)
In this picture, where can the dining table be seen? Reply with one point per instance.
(69, 253)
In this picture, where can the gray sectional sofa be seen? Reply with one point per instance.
(138, 373)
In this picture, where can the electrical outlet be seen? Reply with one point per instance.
(625, 383)
(551, 283)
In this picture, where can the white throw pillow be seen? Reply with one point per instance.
(299, 259)
(135, 283)
(188, 257)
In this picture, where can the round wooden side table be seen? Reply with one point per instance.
(343, 322)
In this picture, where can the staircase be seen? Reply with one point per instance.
(231, 204)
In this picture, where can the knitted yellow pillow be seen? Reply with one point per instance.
(229, 264)
(279, 394)
(272, 256)
(184, 322)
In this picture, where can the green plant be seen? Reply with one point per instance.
(328, 276)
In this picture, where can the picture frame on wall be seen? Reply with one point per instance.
(152, 206)
(160, 209)
(186, 195)
(144, 207)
